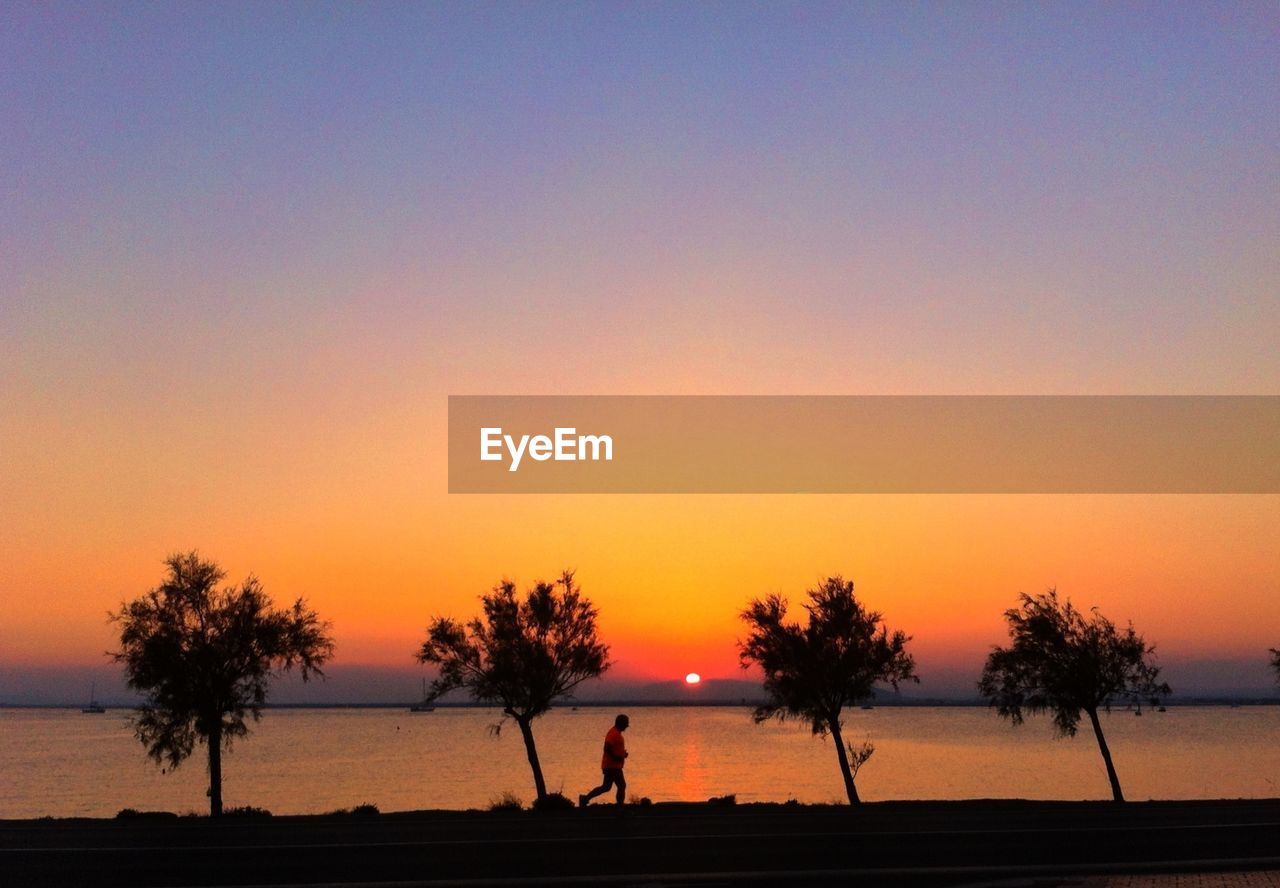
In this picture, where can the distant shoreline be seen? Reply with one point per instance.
(1225, 702)
(668, 808)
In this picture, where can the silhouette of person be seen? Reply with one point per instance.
(615, 756)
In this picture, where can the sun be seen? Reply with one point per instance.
(692, 678)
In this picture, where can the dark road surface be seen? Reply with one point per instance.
(891, 843)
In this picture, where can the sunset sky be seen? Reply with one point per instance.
(248, 250)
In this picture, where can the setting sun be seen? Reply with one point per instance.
(692, 678)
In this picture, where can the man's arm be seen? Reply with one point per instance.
(618, 752)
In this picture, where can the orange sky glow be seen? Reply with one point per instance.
(243, 269)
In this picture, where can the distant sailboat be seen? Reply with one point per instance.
(94, 707)
(425, 704)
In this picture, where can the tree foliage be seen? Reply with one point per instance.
(836, 659)
(523, 653)
(203, 658)
(1275, 662)
(1067, 664)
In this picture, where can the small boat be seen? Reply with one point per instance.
(425, 704)
(94, 707)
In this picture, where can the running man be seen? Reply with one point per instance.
(615, 756)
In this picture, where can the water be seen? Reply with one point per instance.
(62, 763)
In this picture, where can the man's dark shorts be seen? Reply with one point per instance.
(613, 777)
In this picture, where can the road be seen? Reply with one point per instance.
(898, 843)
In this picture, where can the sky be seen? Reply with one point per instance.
(248, 250)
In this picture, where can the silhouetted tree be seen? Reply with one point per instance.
(1275, 662)
(812, 672)
(1064, 663)
(523, 654)
(203, 659)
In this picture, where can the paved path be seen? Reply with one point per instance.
(1263, 879)
(923, 845)
(1256, 879)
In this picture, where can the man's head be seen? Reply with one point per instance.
(621, 722)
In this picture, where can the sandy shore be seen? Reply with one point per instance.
(892, 843)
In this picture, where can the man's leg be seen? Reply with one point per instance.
(583, 800)
(621, 781)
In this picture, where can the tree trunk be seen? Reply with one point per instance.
(1116, 794)
(850, 790)
(215, 770)
(526, 731)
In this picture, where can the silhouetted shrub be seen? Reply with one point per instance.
(730, 799)
(508, 801)
(248, 812)
(365, 810)
(552, 801)
(135, 814)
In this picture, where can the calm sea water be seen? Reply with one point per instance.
(63, 763)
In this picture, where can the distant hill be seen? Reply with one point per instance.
(711, 690)
(1209, 681)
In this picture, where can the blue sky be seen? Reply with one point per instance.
(248, 249)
